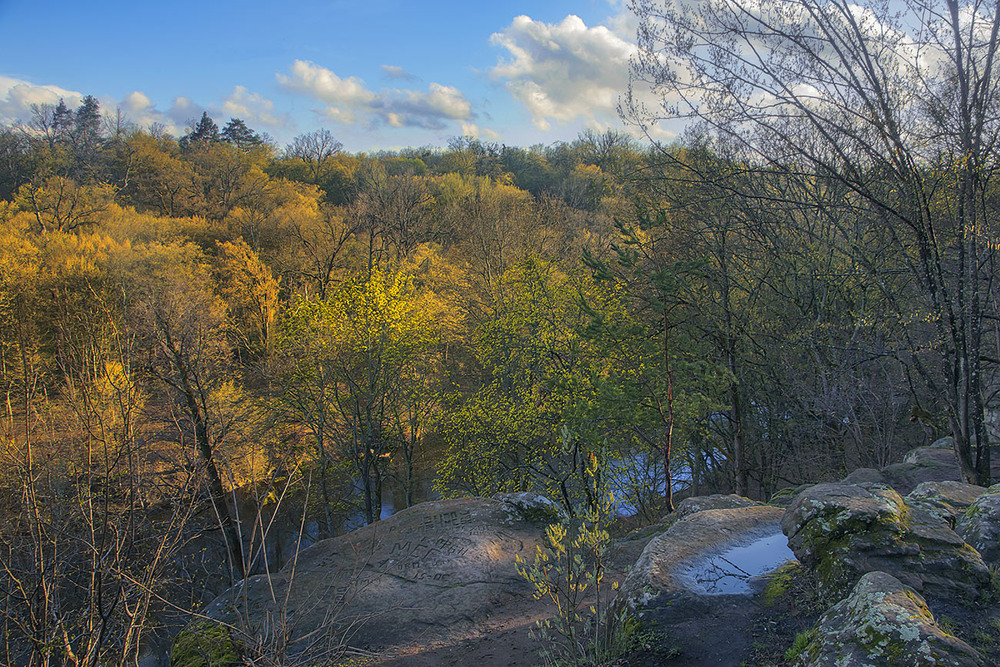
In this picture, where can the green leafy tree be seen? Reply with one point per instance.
(349, 366)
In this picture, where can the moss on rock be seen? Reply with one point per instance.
(882, 622)
(204, 643)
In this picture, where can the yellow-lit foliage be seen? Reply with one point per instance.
(252, 294)
(58, 203)
(241, 435)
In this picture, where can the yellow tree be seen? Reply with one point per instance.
(252, 294)
(173, 304)
(348, 365)
(58, 203)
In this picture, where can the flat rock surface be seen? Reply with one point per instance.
(422, 575)
(718, 501)
(661, 566)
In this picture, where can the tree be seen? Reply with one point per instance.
(651, 272)
(879, 119)
(314, 149)
(238, 134)
(535, 416)
(58, 203)
(252, 294)
(173, 304)
(62, 121)
(155, 178)
(347, 365)
(87, 122)
(391, 210)
(203, 133)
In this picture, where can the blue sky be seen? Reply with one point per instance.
(377, 73)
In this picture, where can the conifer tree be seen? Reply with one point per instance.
(204, 132)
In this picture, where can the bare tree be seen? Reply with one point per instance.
(880, 116)
(314, 149)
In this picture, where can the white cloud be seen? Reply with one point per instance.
(476, 132)
(428, 109)
(142, 111)
(343, 97)
(397, 72)
(350, 101)
(17, 98)
(184, 113)
(564, 71)
(252, 108)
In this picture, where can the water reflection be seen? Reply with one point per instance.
(732, 571)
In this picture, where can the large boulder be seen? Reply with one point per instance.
(934, 463)
(883, 622)
(944, 500)
(426, 570)
(843, 531)
(865, 476)
(718, 501)
(979, 525)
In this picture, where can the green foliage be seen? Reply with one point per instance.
(569, 571)
(801, 643)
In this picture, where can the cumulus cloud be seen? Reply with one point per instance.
(563, 71)
(350, 101)
(476, 132)
(252, 108)
(142, 111)
(343, 97)
(17, 98)
(183, 112)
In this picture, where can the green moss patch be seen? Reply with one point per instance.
(204, 644)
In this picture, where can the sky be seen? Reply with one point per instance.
(379, 74)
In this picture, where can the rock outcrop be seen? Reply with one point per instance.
(660, 570)
(846, 530)
(883, 622)
(946, 501)
(418, 574)
(935, 463)
(979, 525)
(719, 501)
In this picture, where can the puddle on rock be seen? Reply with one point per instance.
(733, 571)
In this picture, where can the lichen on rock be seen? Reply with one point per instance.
(979, 525)
(946, 500)
(843, 531)
(205, 643)
(883, 622)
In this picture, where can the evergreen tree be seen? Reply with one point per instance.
(62, 121)
(204, 132)
(238, 134)
(87, 122)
